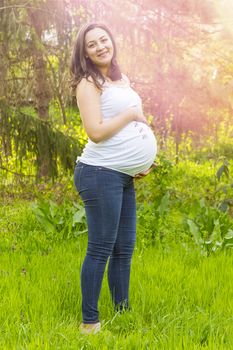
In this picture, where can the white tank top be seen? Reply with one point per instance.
(131, 150)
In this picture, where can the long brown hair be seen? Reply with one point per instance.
(82, 67)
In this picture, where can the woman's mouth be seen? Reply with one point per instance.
(103, 54)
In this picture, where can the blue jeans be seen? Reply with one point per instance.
(109, 201)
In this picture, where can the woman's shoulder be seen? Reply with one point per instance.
(86, 83)
(86, 90)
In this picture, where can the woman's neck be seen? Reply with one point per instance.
(105, 72)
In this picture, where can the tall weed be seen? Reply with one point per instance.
(60, 221)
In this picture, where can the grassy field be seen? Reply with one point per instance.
(180, 299)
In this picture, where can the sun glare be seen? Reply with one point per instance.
(225, 10)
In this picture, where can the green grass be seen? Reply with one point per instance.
(180, 299)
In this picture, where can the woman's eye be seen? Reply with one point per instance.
(104, 40)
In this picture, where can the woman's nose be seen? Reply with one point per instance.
(100, 46)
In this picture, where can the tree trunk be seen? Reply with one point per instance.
(5, 145)
(41, 90)
(41, 86)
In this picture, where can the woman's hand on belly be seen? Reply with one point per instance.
(144, 173)
(138, 114)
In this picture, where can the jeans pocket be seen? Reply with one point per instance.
(77, 176)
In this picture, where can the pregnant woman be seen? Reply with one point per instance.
(121, 146)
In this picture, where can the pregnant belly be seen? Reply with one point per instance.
(131, 151)
(136, 145)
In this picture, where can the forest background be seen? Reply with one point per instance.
(179, 57)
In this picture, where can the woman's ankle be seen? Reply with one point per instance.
(90, 324)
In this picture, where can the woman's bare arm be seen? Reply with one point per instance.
(88, 98)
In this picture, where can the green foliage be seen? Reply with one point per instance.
(224, 189)
(223, 170)
(210, 228)
(210, 225)
(154, 197)
(171, 209)
(61, 222)
(26, 138)
(156, 184)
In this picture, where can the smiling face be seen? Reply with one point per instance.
(99, 47)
